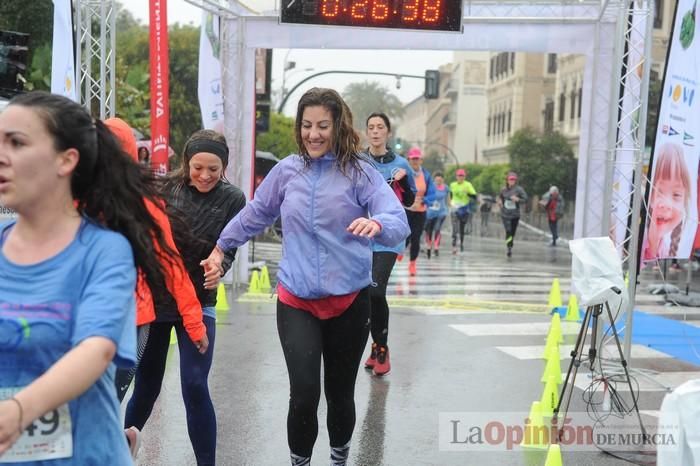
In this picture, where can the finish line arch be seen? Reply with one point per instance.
(613, 116)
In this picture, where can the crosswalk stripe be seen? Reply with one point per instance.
(525, 353)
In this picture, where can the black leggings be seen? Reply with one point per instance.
(458, 224)
(382, 265)
(416, 221)
(341, 341)
(511, 225)
(194, 371)
(123, 377)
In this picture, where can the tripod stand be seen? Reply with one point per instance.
(591, 317)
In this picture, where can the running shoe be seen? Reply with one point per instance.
(133, 438)
(428, 252)
(372, 359)
(437, 252)
(399, 257)
(412, 268)
(382, 366)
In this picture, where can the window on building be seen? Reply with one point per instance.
(580, 101)
(548, 115)
(572, 112)
(510, 117)
(488, 126)
(512, 62)
(562, 106)
(659, 14)
(551, 63)
(493, 68)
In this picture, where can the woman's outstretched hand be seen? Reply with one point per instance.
(212, 268)
(364, 227)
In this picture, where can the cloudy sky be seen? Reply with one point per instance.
(311, 61)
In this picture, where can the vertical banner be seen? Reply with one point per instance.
(209, 90)
(62, 55)
(160, 109)
(672, 218)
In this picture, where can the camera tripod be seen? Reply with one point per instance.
(593, 313)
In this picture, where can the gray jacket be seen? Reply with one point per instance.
(510, 209)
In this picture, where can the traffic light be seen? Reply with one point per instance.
(14, 52)
(432, 84)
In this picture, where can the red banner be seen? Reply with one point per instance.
(160, 108)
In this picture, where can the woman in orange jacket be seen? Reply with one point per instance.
(177, 282)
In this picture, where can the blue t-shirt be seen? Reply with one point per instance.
(48, 308)
(388, 169)
(437, 207)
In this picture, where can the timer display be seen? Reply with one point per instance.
(435, 15)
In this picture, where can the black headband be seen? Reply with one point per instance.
(207, 145)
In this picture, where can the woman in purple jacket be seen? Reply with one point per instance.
(332, 202)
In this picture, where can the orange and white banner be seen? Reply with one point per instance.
(160, 108)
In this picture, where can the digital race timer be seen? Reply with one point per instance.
(436, 15)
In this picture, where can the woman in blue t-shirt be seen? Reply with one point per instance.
(436, 215)
(67, 281)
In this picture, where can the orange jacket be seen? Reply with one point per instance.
(176, 279)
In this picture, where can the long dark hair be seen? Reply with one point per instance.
(346, 142)
(107, 185)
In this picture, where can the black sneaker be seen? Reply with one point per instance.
(437, 253)
(510, 252)
(428, 252)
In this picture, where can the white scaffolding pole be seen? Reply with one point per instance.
(95, 56)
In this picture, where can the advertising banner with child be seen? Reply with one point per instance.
(672, 210)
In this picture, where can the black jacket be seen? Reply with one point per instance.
(204, 215)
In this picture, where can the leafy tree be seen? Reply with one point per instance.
(434, 162)
(490, 179)
(185, 116)
(280, 138)
(542, 161)
(367, 97)
(30, 17)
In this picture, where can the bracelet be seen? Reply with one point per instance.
(21, 413)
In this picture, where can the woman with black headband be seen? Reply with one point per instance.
(206, 201)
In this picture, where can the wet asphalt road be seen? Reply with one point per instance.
(442, 362)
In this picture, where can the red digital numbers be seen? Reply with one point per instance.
(431, 10)
(359, 9)
(330, 8)
(380, 10)
(412, 11)
(428, 11)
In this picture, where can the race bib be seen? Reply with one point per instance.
(48, 438)
(510, 205)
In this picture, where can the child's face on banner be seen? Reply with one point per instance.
(667, 205)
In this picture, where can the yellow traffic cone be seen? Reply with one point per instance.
(554, 295)
(553, 456)
(550, 396)
(265, 280)
(555, 328)
(221, 300)
(552, 368)
(173, 337)
(572, 312)
(536, 434)
(551, 349)
(254, 287)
